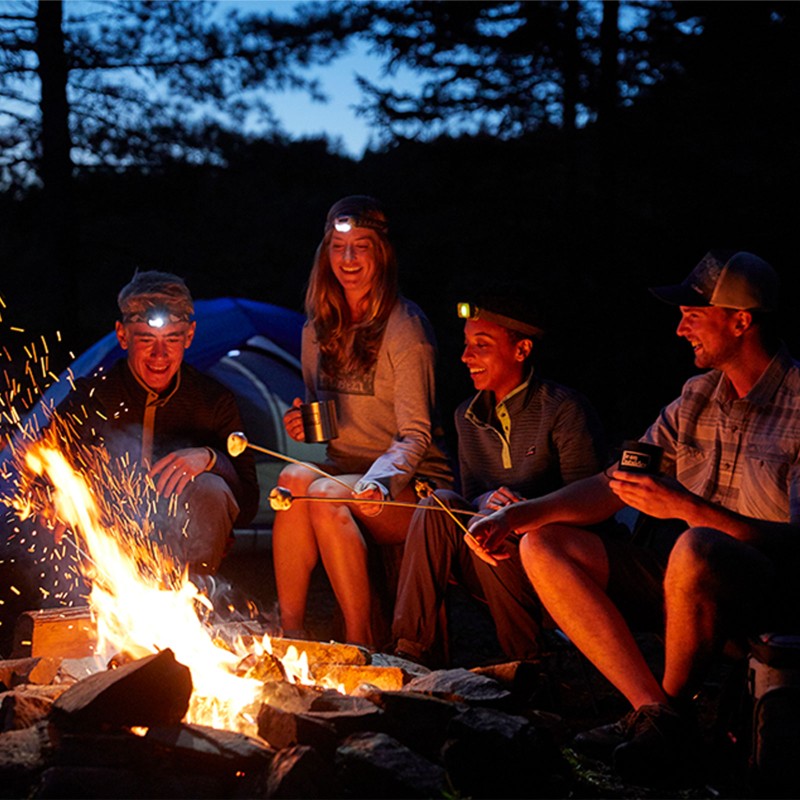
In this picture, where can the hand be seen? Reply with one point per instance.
(293, 421)
(173, 472)
(657, 496)
(500, 498)
(370, 493)
(487, 535)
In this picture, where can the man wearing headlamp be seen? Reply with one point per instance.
(153, 410)
(520, 436)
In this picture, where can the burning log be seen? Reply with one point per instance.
(323, 652)
(56, 632)
(17, 671)
(350, 677)
(154, 690)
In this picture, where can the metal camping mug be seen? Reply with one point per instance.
(640, 457)
(319, 420)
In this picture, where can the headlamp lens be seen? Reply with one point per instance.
(465, 311)
(344, 224)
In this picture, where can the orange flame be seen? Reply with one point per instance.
(136, 614)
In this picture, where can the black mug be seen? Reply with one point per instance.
(640, 457)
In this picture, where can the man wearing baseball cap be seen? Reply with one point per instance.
(520, 436)
(731, 482)
(152, 411)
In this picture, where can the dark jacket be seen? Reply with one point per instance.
(197, 411)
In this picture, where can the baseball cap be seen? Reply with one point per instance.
(726, 279)
(155, 293)
(357, 211)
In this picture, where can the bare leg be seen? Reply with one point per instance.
(568, 567)
(338, 531)
(714, 588)
(294, 549)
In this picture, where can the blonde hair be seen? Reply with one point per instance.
(346, 345)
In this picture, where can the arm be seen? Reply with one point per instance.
(579, 504)
(412, 355)
(665, 498)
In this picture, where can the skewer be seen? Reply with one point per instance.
(281, 499)
(238, 443)
(471, 542)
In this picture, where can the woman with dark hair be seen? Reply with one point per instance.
(372, 352)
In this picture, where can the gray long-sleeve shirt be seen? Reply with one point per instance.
(388, 428)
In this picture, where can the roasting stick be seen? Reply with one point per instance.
(425, 489)
(469, 539)
(237, 442)
(281, 499)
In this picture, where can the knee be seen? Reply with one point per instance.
(210, 498)
(696, 559)
(296, 479)
(539, 548)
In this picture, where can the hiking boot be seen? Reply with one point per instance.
(658, 741)
(600, 742)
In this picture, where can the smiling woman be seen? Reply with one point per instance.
(371, 352)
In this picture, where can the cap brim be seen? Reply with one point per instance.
(679, 295)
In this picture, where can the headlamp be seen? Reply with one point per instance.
(344, 224)
(465, 311)
(156, 316)
(469, 311)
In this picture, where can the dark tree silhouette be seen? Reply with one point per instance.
(508, 68)
(131, 84)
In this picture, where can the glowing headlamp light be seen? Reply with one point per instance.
(469, 311)
(345, 224)
(156, 317)
(465, 311)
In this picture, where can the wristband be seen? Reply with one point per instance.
(213, 454)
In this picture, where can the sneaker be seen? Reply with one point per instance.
(658, 742)
(601, 742)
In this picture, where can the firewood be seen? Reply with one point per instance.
(26, 705)
(281, 728)
(56, 632)
(525, 679)
(154, 690)
(199, 743)
(351, 677)
(22, 758)
(323, 652)
(14, 672)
